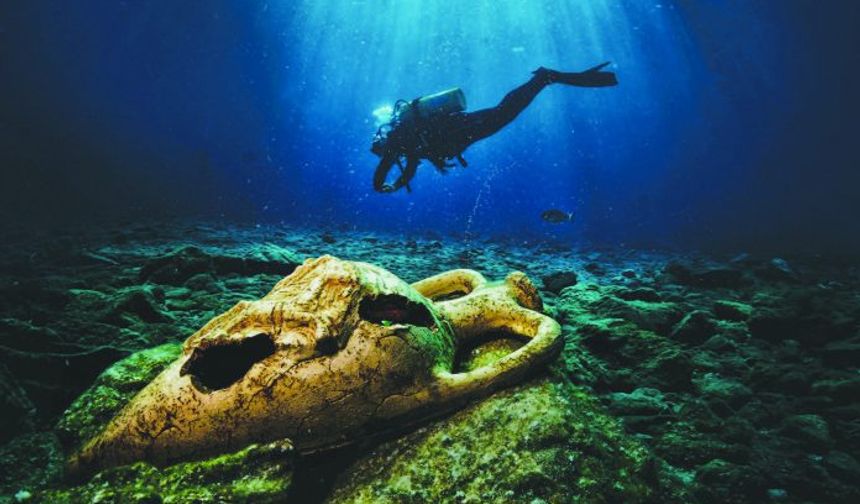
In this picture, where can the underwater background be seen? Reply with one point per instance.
(162, 161)
(732, 126)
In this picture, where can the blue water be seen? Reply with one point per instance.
(731, 129)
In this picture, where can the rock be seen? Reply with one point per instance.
(594, 268)
(143, 302)
(714, 386)
(25, 336)
(794, 383)
(736, 429)
(642, 401)
(718, 343)
(777, 494)
(628, 273)
(694, 328)
(721, 481)
(770, 328)
(708, 278)
(18, 411)
(29, 461)
(590, 301)
(258, 473)
(670, 368)
(555, 282)
(732, 310)
(658, 317)
(111, 391)
(842, 353)
(178, 266)
(843, 391)
(639, 294)
(843, 466)
(685, 448)
(800, 314)
(543, 440)
(810, 430)
(51, 372)
(604, 336)
(777, 269)
(203, 282)
(743, 259)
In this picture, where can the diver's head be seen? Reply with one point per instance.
(391, 134)
(382, 143)
(379, 145)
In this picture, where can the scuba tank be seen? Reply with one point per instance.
(441, 103)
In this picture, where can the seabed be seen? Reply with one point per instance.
(684, 377)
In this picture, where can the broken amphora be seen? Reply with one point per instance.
(337, 351)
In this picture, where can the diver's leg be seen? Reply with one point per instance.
(483, 123)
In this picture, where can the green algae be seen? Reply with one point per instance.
(111, 391)
(258, 473)
(486, 354)
(29, 462)
(544, 440)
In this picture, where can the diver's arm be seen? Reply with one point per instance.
(408, 173)
(381, 173)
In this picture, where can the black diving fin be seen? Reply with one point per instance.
(594, 77)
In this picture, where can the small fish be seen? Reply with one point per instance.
(556, 216)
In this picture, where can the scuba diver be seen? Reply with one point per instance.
(438, 129)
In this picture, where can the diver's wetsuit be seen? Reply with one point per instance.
(440, 139)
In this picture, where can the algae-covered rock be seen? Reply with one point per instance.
(186, 262)
(142, 303)
(556, 281)
(842, 465)
(18, 410)
(721, 481)
(694, 328)
(28, 462)
(258, 473)
(709, 277)
(591, 301)
(642, 401)
(543, 441)
(111, 391)
(810, 430)
(841, 391)
(731, 310)
(714, 386)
